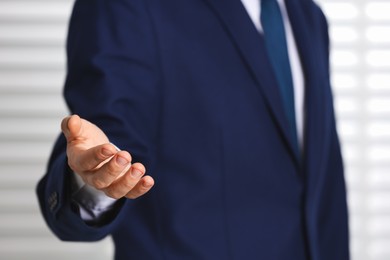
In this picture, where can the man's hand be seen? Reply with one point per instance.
(100, 164)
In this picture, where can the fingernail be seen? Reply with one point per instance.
(136, 173)
(121, 161)
(107, 152)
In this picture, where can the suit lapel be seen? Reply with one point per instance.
(315, 132)
(251, 46)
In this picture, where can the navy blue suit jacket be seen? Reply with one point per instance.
(187, 89)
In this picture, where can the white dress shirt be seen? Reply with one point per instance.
(253, 7)
(94, 203)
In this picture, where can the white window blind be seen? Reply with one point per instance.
(32, 63)
(32, 70)
(360, 33)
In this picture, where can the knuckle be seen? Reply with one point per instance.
(98, 183)
(98, 154)
(135, 193)
(98, 157)
(111, 174)
(112, 171)
(128, 185)
(112, 193)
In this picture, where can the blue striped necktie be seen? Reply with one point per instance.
(276, 45)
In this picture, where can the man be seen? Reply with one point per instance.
(227, 105)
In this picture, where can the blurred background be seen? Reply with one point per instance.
(32, 71)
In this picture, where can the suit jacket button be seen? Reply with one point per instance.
(52, 200)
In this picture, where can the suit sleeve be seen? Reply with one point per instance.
(112, 80)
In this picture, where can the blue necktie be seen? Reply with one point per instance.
(276, 45)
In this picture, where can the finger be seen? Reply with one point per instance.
(110, 171)
(128, 181)
(142, 187)
(71, 127)
(84, 161)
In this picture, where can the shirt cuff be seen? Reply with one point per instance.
(93, 203)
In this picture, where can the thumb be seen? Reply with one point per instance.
(71, 127)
